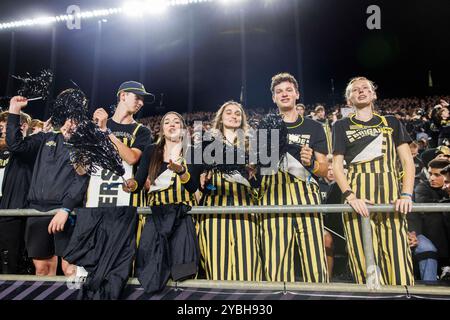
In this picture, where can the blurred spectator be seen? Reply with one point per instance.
(301, 109)
(418, 163)
(35, 126)
(424, 255)
(432, 225)
(320, 114)
(15, 184)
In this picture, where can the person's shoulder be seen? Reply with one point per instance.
(312, 123)
(143, 129)
(48, 135)
(391, 119)
(422, 186)
(341, 122)
(150, 147)
(37, 136)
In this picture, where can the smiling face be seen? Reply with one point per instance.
(172, 127)
(232, 116)
(285, 95)
(361, 93)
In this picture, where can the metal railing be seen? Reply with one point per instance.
(372, 272)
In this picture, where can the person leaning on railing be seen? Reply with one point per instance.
(287, 236)
(370, 144)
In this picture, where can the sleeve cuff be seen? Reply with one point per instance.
(69, 204)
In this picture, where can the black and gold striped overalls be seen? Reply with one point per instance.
(378, 181)
(229, 244)
(281, 235)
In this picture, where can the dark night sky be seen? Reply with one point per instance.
(335, 43)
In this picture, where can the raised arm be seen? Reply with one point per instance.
(14, 138)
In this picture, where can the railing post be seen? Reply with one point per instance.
(372, 270)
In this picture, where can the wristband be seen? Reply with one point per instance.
(405, 194)
(134, 187)
(66, 210)
(347, 193)
(188, 177)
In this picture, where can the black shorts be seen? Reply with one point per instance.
(41, 244)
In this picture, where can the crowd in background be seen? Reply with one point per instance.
(425, 118)
(427, 121)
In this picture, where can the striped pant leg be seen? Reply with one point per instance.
(229, 247)
(277, 247)
(245, 258)
(355, 249)
(389, 233)
(394, 257)
(310, 240)
(384, 252)
(212, 233)
(363, 184)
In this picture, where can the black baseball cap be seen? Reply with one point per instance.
(134, 87)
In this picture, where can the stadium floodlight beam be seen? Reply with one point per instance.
(157, 6)
(48, 20)
(230, 2)
(139, 8)
(134, 8)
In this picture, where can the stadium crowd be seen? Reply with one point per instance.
(173, 245)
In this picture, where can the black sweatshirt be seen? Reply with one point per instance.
(54, 183)
(17, 179)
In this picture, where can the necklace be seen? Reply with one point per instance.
(297, 125)
(365, 126)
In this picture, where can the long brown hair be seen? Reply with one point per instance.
(157, 158)
(217, 124)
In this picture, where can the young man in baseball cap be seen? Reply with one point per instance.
(130, 139)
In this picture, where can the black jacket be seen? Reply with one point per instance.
(17, 178)
(432, 224)
(54, 183)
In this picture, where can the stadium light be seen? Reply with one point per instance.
(134, 8)
(157, 6)
(230, 2)
(48, 20)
